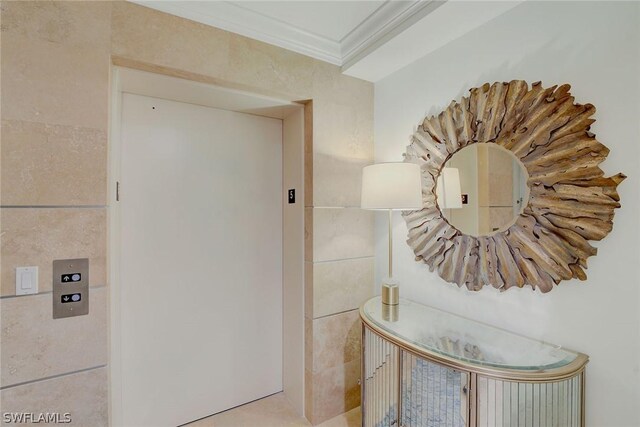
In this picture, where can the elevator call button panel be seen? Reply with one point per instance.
(70, 287)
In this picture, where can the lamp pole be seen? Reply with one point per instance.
(390, 247)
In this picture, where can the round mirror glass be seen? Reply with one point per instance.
(482, 189)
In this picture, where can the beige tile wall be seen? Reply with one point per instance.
(40, 235)
(84, 395)
(34, 346)
(338, 285)
(43, 163)
(55, 89)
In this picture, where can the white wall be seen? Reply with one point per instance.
(595, 47)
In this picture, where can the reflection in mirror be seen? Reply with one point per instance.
(482, 189)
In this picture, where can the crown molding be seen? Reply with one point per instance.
(450, 21)
(392, 18)
(384, 23)
(249, 23)
(237, 19)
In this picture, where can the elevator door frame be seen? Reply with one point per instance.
(126, 80)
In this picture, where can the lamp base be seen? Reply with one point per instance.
(390, 292)
(390, 313)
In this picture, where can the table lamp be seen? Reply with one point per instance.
(391, 187)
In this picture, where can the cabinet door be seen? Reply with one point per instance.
(401, 389)
(381, 369)
(503, 403)
(432, 395)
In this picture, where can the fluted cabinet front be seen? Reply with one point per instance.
(503, 403)
(381, 364)
(401, 389)
(432, 394)
(426, 368)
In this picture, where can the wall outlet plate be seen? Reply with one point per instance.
(26, 280)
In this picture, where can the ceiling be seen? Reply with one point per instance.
(368, 39)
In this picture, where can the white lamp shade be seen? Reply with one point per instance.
(448, 189)
(396, 186)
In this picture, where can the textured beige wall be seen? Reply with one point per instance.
(55, 66)
(55, 88)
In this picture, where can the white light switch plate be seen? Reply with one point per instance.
(26, 280)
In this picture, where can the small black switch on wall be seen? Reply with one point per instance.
(292, 196)
(465, 199)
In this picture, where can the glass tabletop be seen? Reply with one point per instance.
(436, 331)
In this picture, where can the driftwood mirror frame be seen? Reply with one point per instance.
(570, 200)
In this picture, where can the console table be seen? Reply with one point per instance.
(426, 367)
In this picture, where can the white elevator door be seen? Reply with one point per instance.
(201, 260)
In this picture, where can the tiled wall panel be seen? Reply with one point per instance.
(37, 236)
(34, 345)
(339, 286)
(83, 395)
(342, 233)
(52, 165)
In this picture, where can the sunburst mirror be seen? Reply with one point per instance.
(512, 188)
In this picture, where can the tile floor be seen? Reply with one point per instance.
(272, 411)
